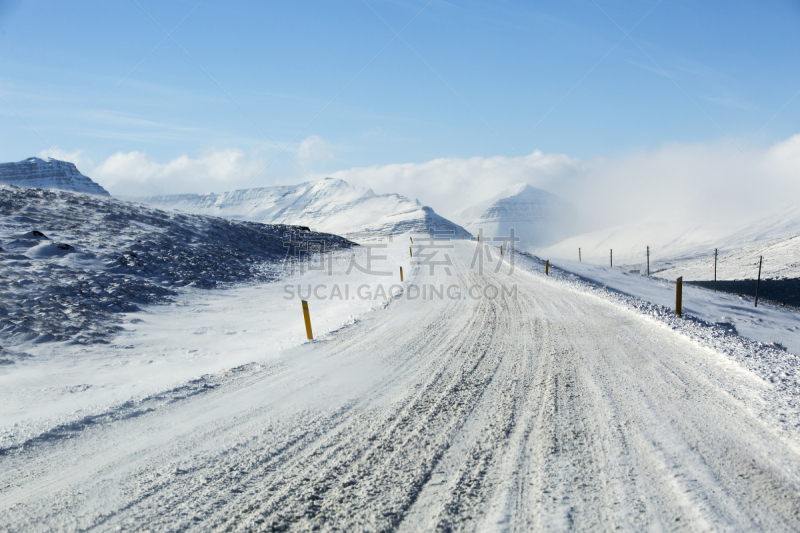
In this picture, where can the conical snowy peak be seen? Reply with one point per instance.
(519, 188)
(48, 174)
(330, 205)
(538, 217)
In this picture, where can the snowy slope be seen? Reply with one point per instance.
(72, 263)
(781, 260)
(684, 241)
(48, 174)
(538, 217)
(330, 205)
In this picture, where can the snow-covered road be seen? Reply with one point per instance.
(553, 409)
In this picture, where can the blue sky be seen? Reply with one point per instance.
(463, 79)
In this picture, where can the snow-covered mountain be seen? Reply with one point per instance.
(539, 218)
(330, 205)
(48, 174)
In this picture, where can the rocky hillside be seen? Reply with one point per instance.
(70, 263)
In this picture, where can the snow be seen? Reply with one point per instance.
(198, 332)
(47, 250)
(48, 174)
(690, 244)
(781, 260)
(566, 406)
(330, 205)
(768, 323)
(576, 401)
(73, 262)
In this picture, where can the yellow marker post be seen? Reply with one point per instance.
(547, 268)
(401, 274)
(501, 249)
(307, 318)
(410, 252)
(679, 296)
(412, 240)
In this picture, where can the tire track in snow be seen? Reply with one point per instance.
(400, 454)
(330, 432)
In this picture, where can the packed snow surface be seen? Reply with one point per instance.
(537, 217)
(48, 174)
(471, 396)
(330, 205)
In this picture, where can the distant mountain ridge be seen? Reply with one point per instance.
(330, 205)
(48, 174)
(539, 218)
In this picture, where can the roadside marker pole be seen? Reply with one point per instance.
(715, 270)
(410, 252)
(401, 274)
(501, 249)
(648, 260)
(679, 296)
(579, 255)
(307, 318)
(412, 240)
(759, 278)
(612, 257)
(547, 268)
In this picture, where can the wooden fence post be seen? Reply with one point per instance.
(307, 318)
(759, 278)
(715, 270)
(679, 296)
(401, 274)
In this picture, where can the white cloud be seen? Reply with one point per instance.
(78, 157)
(450, 184)
(701, 182)
(136, 174)
(315, 150)
(691, 184)
(132, 172)
(704, 183)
